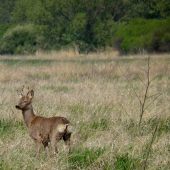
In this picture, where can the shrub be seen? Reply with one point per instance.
(141, 34)
(19, 40)
(4, 28)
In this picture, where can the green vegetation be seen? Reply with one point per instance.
(19, 40)
(86, 26)
(141, 34)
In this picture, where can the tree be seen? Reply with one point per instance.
(151, 9)
(85, 23)
(6, 7)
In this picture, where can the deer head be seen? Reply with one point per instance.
(25, 100)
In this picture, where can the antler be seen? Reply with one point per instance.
(22, 92)
(29, 90)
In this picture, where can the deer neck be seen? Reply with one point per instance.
(28, 115)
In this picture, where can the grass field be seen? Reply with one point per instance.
(101, 96)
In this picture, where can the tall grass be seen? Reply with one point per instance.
(97, 98)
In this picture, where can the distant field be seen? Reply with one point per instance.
(101, 96)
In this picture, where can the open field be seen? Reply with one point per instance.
(101, 97)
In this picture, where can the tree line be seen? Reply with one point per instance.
(127, 25)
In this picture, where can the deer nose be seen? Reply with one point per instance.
(17, 107)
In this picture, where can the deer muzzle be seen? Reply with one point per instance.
(17, 106)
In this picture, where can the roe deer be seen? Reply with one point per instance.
(44, 130)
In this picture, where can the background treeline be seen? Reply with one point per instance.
(87, 25)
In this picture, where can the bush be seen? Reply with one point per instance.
(4, 28)
(19, 40)
(141, 34)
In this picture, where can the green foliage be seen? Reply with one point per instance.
(63, 24)
(87, 25)
(6, 8)
(19, 11)
(4, 28)
(103, 33)
(79, 23)
(162, 7)
(19, 40)
(141, 34)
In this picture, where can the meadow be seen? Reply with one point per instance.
(103, 97)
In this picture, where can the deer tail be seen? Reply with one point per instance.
(69, 128)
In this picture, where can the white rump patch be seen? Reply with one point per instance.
(62, 127)
(70, 129)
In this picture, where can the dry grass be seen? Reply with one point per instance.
(97, 98)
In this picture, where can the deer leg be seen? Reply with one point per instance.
(67, 145)
(53, 144)
(54, 140)
(47, 149)
(66, 139)
(38, 145)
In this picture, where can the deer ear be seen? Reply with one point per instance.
(30, 94)
(19, 93)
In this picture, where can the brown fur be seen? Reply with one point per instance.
(44, 130)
